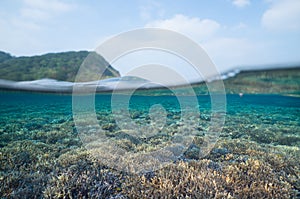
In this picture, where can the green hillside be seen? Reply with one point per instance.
(61, 66)
(277, 81)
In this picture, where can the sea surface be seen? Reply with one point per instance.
(43, 156)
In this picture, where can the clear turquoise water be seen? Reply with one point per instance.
(268, 120)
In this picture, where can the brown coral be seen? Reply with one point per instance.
(252, 179)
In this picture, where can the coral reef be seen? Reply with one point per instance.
(256, 156)
(77, 175)
(24, 168)
(259, 174)
(35, 170)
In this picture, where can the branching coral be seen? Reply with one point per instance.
(78, 175)
(251, 179)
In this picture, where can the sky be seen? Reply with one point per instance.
(234, 33)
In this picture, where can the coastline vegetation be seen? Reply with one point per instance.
(60, 66)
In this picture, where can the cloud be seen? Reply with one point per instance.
(193, 27)
(31, 27)
(240, 26)
(241, 3)
(18, 36)
(43, 9)
(226, 52)
(48, 5)
(229, 52)
(24, 25)
(283, 15)
(150, 9)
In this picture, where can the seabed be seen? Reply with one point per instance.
(256, 156)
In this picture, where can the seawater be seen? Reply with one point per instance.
(28, 112)
(46, 121)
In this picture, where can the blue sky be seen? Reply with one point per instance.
(234, 33)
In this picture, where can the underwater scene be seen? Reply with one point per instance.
(256, 155)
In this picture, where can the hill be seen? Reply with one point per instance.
(60, 66)
(277, 81)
